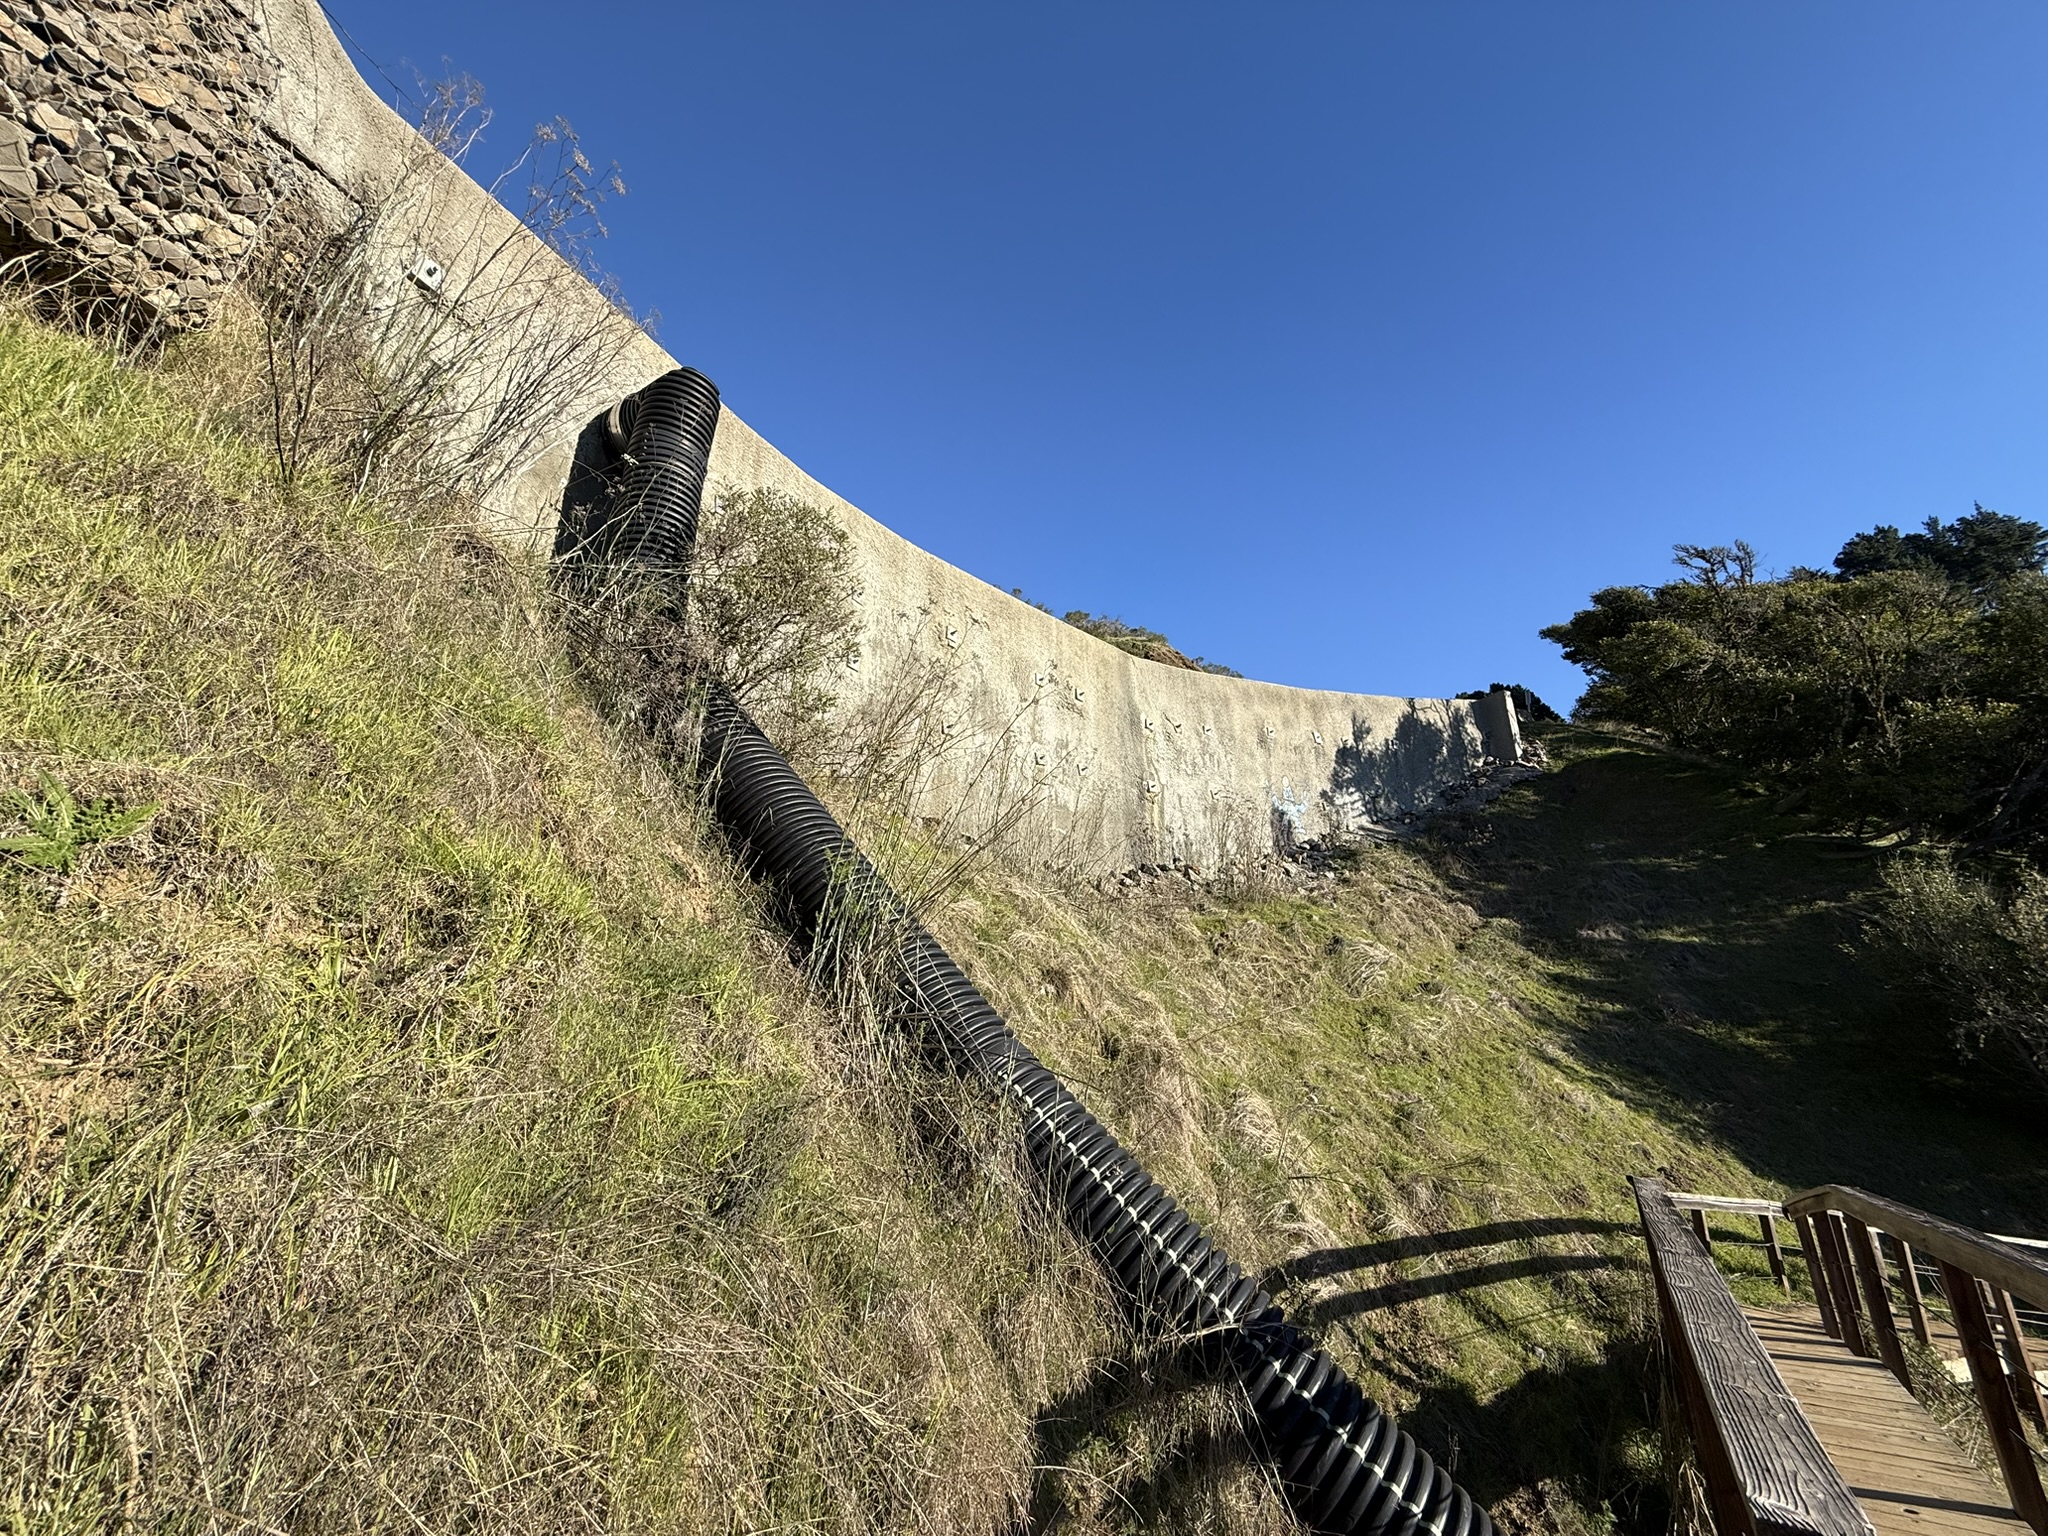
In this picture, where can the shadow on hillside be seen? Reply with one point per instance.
(1570, 1425)
(1557, 1426)
(1319, 1315)
(1321, 1263)
(1708, 966)
(1166, 1492)
(587, 516)
(1552, 1426)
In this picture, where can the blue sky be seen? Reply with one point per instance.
(1347, 344)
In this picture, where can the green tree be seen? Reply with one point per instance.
(1883, 548)
(1899, 700)
(1975, 552)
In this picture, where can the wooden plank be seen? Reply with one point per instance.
(1883, 1450)
(1916, 1304)
(1785, 1480)
(2015, 1459)
(1733, 1204)
(1905, 1471)
(2021, 1270)
(1888, 1444)
(1924, 1517)
(1834, 1248)
(1817, 1272)
(1767, 1223)
(1870, 1274)
(1726, 1504)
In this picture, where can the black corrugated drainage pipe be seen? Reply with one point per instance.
(1345, 1466)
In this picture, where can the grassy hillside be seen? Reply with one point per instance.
(1718, 976)
(1412, 1092)
(410, 1120)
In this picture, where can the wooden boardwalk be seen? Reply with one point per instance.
(1909, 1476)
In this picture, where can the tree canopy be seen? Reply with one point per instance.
(1906, 692)
(1974, 552)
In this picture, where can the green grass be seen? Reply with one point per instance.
(408, 1120)
(412, 1120)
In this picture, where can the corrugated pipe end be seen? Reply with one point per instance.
(667, 429)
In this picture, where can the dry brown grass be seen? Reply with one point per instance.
(411, 1123)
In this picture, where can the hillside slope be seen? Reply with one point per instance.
(412, 1119)
(1411, 1090)
(409, 1121)
(1719, 976)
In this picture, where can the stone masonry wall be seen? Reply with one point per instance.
(133, 162)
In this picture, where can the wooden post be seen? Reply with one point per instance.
(1835, 1251)
(2026, 1390)
(1916, 1304)
(1699, 1226)
(1870, 1271)
(1769, 1223)
(1817, 1272)
(2008, 1439)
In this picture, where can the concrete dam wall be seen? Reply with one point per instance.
(146, 150)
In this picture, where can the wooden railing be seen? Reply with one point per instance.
(1768, 1214)
(1765, 1472)
(1978, 1277)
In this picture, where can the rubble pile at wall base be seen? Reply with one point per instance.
(1313, 861)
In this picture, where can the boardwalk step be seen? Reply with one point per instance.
(1903, 1468)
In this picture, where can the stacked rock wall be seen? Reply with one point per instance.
(133, 162)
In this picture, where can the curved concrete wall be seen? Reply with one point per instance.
(1134, 761)
(1127, 761)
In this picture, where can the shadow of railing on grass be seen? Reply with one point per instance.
(1321, 1263)
(1320, 1314)
(1180, 1487)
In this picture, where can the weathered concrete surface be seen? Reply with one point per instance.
(1127, 761)
(1136, 762)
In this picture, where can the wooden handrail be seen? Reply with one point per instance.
(1765, 1470)
(1963, 1258)
(1767, 1214)
(2009, 1268)
(1686, 1200)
